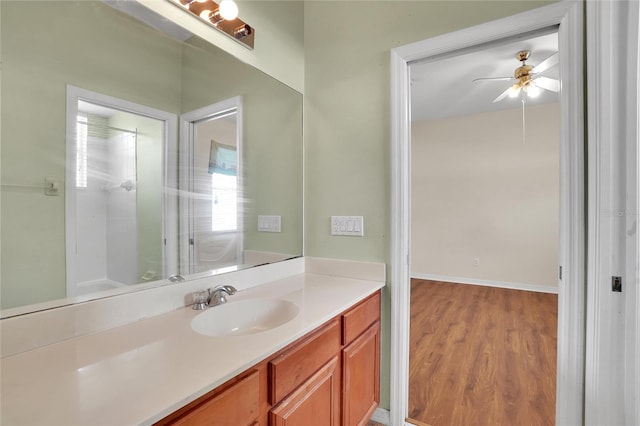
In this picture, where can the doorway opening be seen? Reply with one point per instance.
(119, 219)
(485, 191)
(567, 18)
(211, 219)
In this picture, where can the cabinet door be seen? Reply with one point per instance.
(361, 377)
(316, 402)
(236, 405)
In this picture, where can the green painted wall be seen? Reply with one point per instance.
(347, 116)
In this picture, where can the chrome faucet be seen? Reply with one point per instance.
(212, 297)
(218, 295)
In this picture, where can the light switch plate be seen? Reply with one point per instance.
(347, 225)
(269, 223)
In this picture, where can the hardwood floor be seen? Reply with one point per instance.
(481, 355)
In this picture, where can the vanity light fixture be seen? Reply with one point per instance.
(223, 17)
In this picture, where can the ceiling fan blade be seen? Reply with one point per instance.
(546, 83)
(546, 64)
(502, 95)
(493, 79)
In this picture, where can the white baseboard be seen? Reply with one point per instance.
(487, 283)
(381, 416)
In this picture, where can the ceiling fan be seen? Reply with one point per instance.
(527, 79)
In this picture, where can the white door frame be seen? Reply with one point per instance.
(568, 16)
(188, 121)
(169, 160)
(612, 373)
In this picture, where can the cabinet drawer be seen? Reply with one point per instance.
(359, 318)
(293, 367)
(236, 405)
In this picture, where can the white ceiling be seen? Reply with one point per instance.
(445, 88)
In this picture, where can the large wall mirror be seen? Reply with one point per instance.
(134, 157)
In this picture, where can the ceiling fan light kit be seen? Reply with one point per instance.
(527, 78)
(528, 81)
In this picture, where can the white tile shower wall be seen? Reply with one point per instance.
(91, 218)
(122, 224)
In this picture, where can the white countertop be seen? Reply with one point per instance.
(141, 372)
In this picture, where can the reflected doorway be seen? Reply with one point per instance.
(211, 188)
(117, 213)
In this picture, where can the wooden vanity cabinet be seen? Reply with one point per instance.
(329, 377)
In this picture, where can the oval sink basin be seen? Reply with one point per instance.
(244, 317)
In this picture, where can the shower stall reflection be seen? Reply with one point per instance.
(117, 180)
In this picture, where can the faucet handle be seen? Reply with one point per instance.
(200, 299)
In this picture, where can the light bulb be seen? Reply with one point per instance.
(514, 90)
(205, 14)
(228, 10)
(533, 91)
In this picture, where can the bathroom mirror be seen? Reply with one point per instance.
(49, 47)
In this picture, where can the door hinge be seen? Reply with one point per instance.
(560, 273)
(190, 241)
(616, 284)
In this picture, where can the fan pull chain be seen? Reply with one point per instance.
(523, 123)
